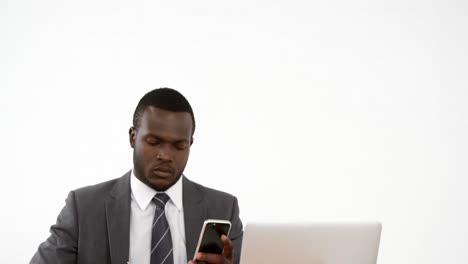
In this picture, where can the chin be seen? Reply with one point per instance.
(161, 185)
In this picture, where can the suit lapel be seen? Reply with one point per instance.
(118, 220)
(194, 215)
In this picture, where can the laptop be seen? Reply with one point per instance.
(311, 243)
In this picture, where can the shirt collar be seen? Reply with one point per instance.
(143, 194)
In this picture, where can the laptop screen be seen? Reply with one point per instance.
(312, 243)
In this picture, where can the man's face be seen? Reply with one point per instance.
(161, 147)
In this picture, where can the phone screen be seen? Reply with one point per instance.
(211, 238)
(211, 241)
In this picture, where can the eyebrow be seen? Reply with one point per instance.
(176, 141)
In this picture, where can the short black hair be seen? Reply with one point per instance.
(166, 99)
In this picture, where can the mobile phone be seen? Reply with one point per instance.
(210, 237)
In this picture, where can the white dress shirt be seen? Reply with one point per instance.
(141, 218)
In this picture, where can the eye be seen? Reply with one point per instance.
(181, 145)
(152, 141)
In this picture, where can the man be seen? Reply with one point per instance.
(152, 214)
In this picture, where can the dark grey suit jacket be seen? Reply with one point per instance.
(94, 225)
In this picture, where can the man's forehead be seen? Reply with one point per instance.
(156, 118)
(152, 112)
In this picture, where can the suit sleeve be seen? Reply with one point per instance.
(61, 246)
(236, 232)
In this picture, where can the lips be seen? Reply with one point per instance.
(163, 171)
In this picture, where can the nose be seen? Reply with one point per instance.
(164, 153)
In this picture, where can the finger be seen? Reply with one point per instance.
(228, 247)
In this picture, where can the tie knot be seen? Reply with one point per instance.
(160, 199)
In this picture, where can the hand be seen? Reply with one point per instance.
(224, 258)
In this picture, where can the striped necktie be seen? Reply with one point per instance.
(161, 240)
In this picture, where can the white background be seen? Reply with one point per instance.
(306, 110)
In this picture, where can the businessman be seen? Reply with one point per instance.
(153, 213)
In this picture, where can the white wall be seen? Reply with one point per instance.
(353, 109)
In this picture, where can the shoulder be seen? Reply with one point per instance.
(207, 192)
(214, 200)
(103, 189)
(218, 204)
(99, 187)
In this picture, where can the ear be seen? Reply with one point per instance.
(191, 141)
(132, 136)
